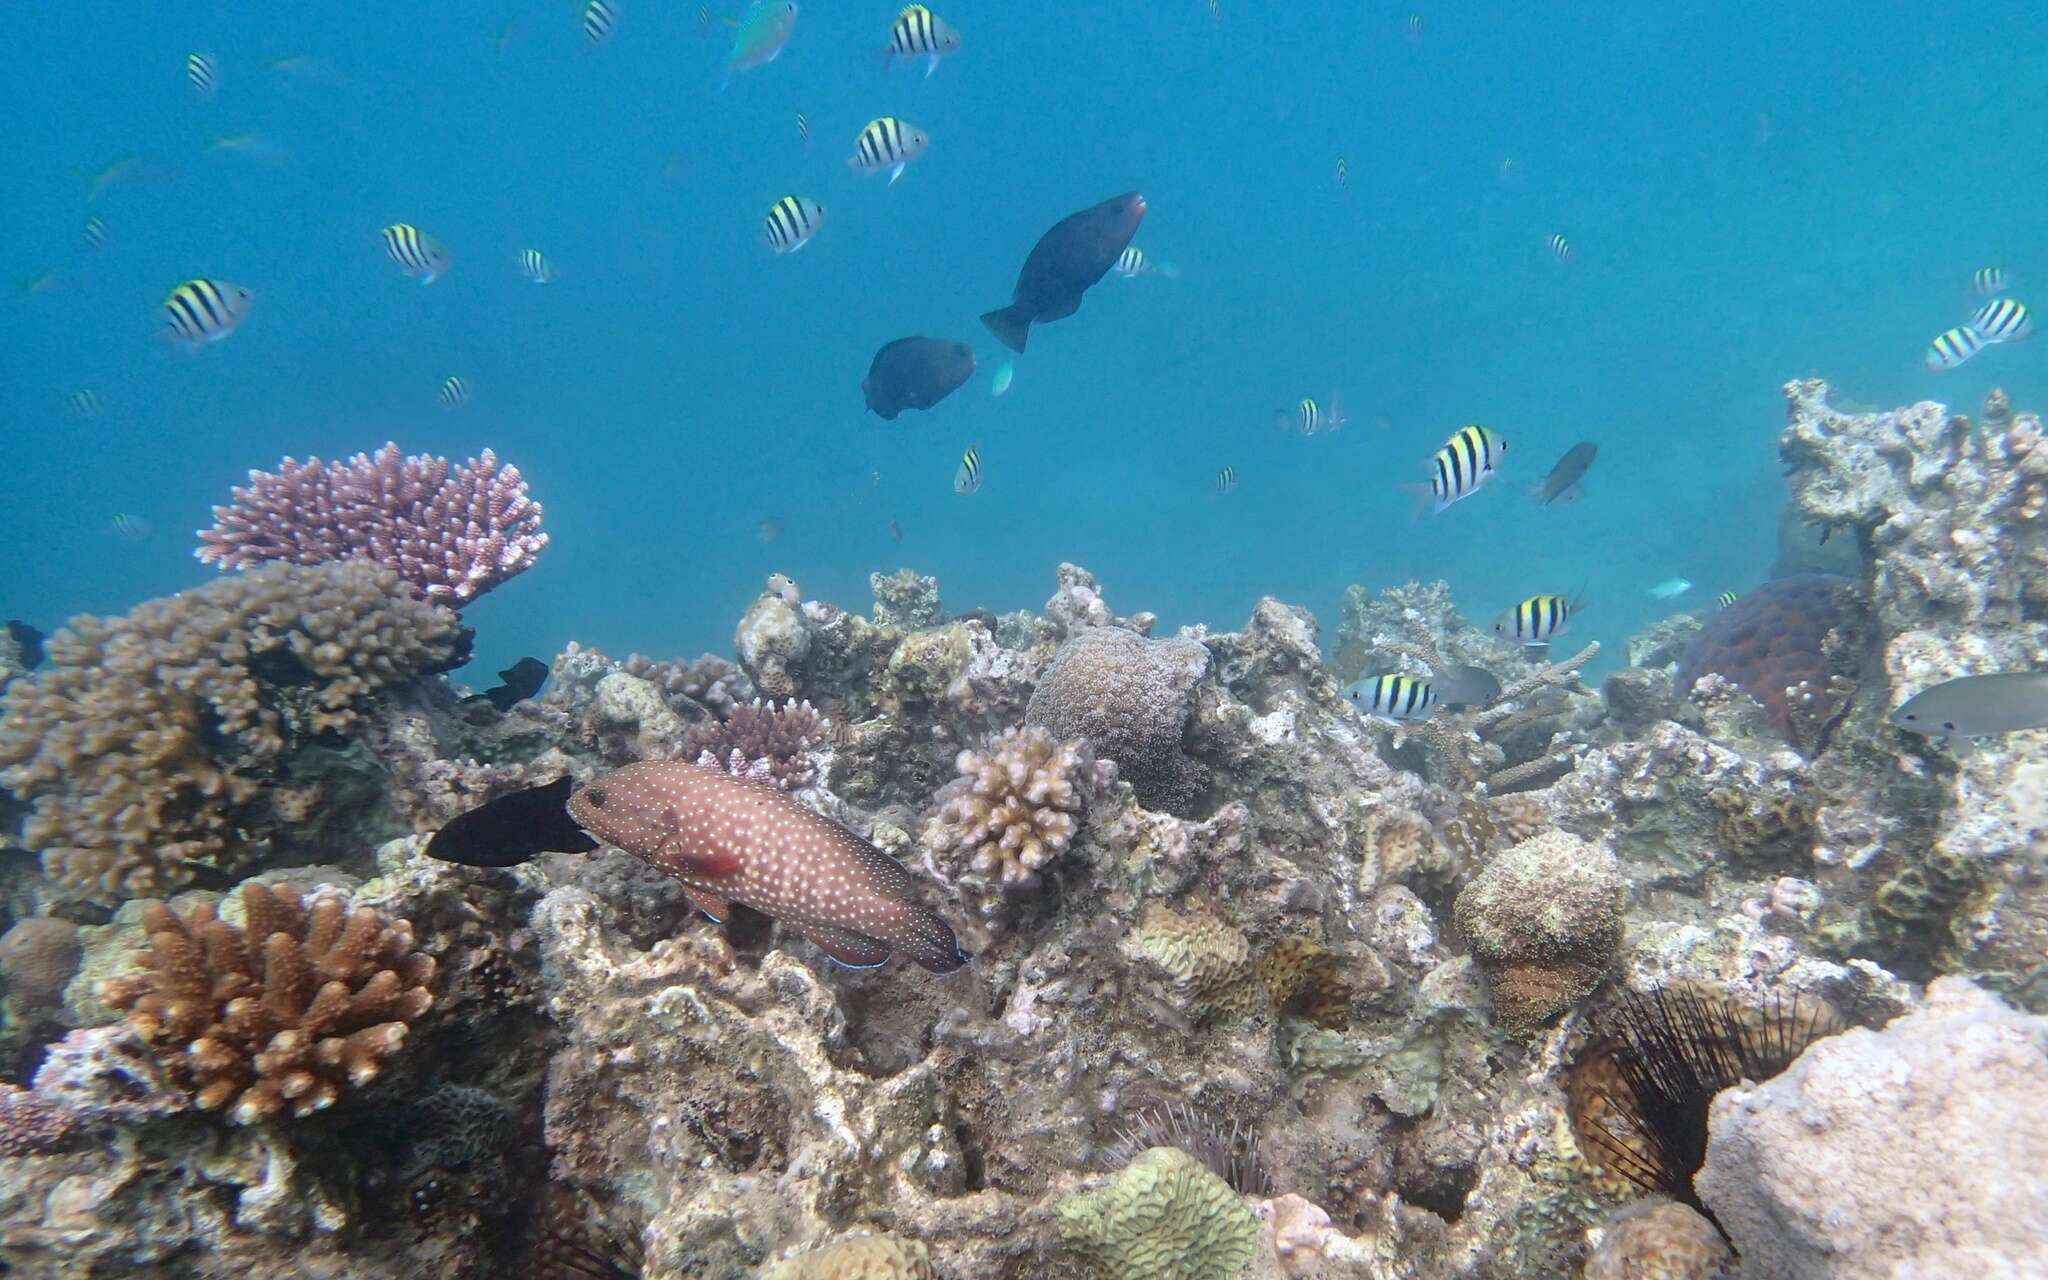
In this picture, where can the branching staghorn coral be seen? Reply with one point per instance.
(142, 746)
(776, 744)
(1016, 804)
(284, 1012)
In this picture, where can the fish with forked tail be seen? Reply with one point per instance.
(1065, 263)
(728, 840)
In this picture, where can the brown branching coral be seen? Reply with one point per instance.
(299, 1003)
(775, 744)
(143, 746)
(1016, 804)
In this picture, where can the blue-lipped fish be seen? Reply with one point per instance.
(454, 391)
(1535, 620)
(204, 75)
(1467, 460)
(535, 267)
(967, 480)
(887, 143)
(201, 311)
(1006, 372)
(1226, 480)
(1953, 347)
(1671, 588)
(791, 222)
(728, 840)
(918, 32)
(417, 254)
(1978, 706)
(2002, 320)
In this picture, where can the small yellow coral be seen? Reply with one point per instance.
(1205, 958)
(1165, 1217)
(877, 1257)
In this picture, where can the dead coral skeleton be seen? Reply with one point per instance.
(280, 1014)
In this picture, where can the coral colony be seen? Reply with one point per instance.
(1041, 942)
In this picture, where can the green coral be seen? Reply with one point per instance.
(1165, 1217)
(1205, 958)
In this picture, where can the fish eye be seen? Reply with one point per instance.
(595, 796)
(1910, 716)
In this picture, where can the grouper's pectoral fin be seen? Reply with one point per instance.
(847, 948)
(678, 855)
(715, 908)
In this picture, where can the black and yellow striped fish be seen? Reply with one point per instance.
(791, 222)
(1468, 459)
(1535, 620)
(85, 404)
(2002, 320)
(534, 265)
(918, 31)
(205, 77)
(454, 392)
(1726, 598)
(967, 479)
(415, 252)
(1953, 347)
(203, 311)
(1560, 248)
(887, 143)
(1226, 480)
(599, 20)
(1394, 697)
(94, 234)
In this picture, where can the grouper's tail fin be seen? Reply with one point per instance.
(1011, 325)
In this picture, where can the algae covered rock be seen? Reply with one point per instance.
(1165, 1217)
(1544, 920)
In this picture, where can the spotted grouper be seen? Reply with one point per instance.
(728, 840)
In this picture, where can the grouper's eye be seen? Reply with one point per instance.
(595, 796)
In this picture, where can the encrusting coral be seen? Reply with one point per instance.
(1165, 1217)
(1128, 697)
(282, 1013)
(1659, 1240)
(144, 744)
(876, 1257)
(1016, 805)
(1544, 920)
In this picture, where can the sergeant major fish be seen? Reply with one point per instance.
(918, 31)
(1535, 620)
(887, 143)
(728, 840)
(791, 222)
(201, 311)
(1467, 460)
(417, 254)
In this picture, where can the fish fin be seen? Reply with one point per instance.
(931, 66)
(798, 247)
(1422, 494)
(1169, 270)
(706, 865)
(1010, 325)
(715, 908)
(846, 948)
(894, 174)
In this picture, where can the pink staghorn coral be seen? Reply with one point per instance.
(452, 534)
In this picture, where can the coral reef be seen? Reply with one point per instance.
(1205, 960)
(1128, 698)
(1016, 805)
(878, 1257)
(1791, 644)
(1544, 919)
(282, 1013)
(785, 745)
(143, 746)
(1920, 1149)
(31, 1122)
(1165, 1217)
(906, 601)
(450, 535)
(771, 643)
(1659, 1240)
(38, 957)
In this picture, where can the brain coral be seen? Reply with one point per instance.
(1165, 1217)
(880, 1257)
(1205, 958)
(38, 956)
(1769, 641)
(285, 1012)
(143, 745)
(1544, 919)
(1128, 697)
(1015, 805)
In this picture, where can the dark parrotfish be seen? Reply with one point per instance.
(1064, 264)
(915, 373)
(513, 829)
(28, 644)
(1563, 480)
(521, 680)
(728, 840)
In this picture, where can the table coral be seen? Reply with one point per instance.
(284, 1012)
(1773, 640)
(1165, 1217)
(144, 745)
(1544, 919)
(1129, 698)
(1016, 804)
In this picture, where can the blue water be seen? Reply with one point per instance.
(680, 384)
